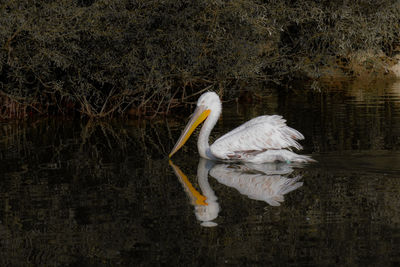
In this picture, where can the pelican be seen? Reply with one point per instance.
(262, 139)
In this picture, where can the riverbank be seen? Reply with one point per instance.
(114, 58)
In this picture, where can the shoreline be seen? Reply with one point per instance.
(369, 69)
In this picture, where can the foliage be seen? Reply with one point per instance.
(105, 57)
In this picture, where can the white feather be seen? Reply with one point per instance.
(255, 137)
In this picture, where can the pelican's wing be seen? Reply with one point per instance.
(256, 136)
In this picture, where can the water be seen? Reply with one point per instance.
(93, 193)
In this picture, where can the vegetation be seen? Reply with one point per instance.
(110, 57)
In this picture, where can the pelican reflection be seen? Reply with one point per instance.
(206, 207)
(268, 182)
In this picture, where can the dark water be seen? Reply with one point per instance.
(85, 193)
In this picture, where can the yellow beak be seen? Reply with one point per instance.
(199, 115)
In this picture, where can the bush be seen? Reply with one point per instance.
(105, 57)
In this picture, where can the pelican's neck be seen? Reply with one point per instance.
(202, 143)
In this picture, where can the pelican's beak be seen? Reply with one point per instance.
(199, 115)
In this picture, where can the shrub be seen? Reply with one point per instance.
(104, 57)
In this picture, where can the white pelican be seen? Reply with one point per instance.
(262, 139)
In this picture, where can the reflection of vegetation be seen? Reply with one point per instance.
(103, 57)
(90, 193)
(63, 184)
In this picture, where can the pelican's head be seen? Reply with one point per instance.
(210, 100)
(208, 104)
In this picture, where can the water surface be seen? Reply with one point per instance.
(104, 193)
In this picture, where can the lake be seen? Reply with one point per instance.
(104, 193)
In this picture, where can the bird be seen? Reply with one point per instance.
(262, 139)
